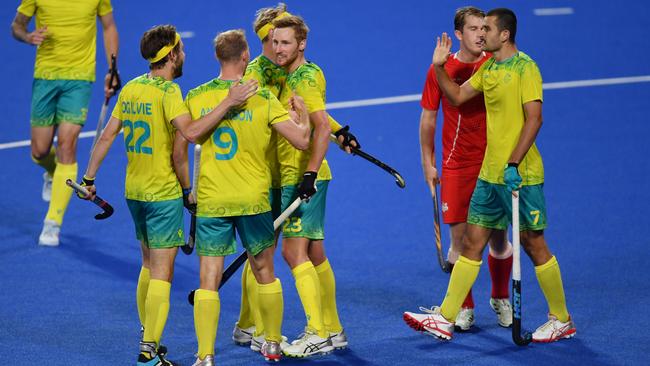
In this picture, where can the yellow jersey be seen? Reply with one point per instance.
(146, 106)
(235, 178)
(506, 87)
(68, 51)
(308, 82)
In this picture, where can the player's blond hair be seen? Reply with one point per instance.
(230, 45)
(265, 16)
(295, 22)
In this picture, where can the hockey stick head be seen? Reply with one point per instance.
(188, 248)
(190, 297)
(108, 209)
(399, 180)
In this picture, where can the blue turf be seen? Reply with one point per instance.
(75, 305)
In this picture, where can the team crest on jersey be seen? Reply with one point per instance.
(445, 207)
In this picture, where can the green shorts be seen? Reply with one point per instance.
(215, 236)
(158, 224)
(56, 101)
(491, 207)
(275, 199)
(308, 220)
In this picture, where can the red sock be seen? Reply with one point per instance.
(500, 273)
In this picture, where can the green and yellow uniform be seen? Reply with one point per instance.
(506, 87)
(307, 81)
(234, 179)
(146, 106)
(65, 61)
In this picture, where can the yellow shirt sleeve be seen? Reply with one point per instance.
(314, 99)
(27, 7)
(277, 113)
(476, 81)
(117, 110)
(173, 104)
(531, 83)
(104, 7)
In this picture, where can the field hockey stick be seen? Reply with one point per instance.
(188, 248)
(444, 264)
(102, 113)
(356, 151)
(234, 266)
(517, 337)
(108, 209)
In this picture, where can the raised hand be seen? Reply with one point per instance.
(298, 106)
(442, 51)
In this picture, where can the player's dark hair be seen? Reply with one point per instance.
(230, 45)
(156, 38)
(462, 13)
(506, 20)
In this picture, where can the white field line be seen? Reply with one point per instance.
(552, 11)
(415, 98)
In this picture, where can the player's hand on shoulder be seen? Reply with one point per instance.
(299, 108)
(347, 140)
(442, 51)
(240, 92)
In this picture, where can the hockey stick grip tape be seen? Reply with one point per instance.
(195, 167)
(77, 187)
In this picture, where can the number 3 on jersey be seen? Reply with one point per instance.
(225, 139)
(130, 128)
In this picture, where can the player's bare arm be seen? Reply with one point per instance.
(532, 124)
(179, 160)
(193, 131)
(111, 47)
(320, 139)
(427, 138)
(19, 30)
(296, 130)
(456, 95)
(101, 149)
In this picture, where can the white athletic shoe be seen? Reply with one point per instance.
(46, 194)
(339, 339)
(503, 309)
(465, 319)
(257, 342)
(554, 330)
(308, 344)
(243, 336)
(207, 361)
(50, 234)
(431, 322)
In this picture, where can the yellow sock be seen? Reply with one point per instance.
(49, 162)
(206, 320)
(156, 308)
(308, 287)
(141, 292)
(271, 309)
(253, 302)
(462, 278)
(550, 280)
(245, 315)
(328, 297)
(61, 193)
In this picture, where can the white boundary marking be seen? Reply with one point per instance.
(416, 98)
(552, 11)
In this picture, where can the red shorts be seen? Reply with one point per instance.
(456, 188)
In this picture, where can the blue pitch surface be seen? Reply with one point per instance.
(75, 304)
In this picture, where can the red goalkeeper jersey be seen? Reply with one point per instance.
(464, 129)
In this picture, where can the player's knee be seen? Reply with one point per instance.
(40, 151)
(66, 150)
